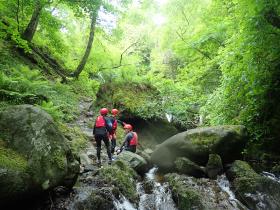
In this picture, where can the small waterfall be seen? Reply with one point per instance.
(271, 176)
(123, 204)
(224, 184)
(169, 117)
(159, 197)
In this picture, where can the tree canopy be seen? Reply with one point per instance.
(205, 62)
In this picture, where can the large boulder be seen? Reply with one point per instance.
(34, 155)
(256, 191)
(135, 161)
(196, 145)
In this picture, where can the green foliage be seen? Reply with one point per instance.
(211, 62)
(9, 30)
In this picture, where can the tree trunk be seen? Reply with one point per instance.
(33, 23)
(82, 64)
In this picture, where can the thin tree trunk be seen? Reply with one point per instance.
(18, 5)
(33, 23)
(82, 64)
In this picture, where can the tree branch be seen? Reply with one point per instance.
(126, 51)
(185, 17)
(121, 58)
(18, 5)
(205, 54)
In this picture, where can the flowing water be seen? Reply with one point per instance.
(159, 197)
(224, 184)
(271, 176)
(154, 193)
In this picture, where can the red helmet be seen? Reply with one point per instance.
(115, 111)
(128, 126)
(103, 111)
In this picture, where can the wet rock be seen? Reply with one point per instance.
(98, 199)
(214, 166)
(192, 193)
(184, 196)
(185, 166)
(148, 186)
(196, 145)
(35, 156)
(135, 161)
(121, 176)
(148, 151)
(144, 155)
(254, 190)
(276, 169)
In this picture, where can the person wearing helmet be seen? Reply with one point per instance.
(101, 129)
(130, 140)
(113, 136)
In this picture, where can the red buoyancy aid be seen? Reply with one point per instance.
(115, 124)
(100, 122)
(134, 140)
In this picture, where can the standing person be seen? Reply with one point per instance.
(113, 134)
(130, 140)
(101, 129)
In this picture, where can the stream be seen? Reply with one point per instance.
(154, 193)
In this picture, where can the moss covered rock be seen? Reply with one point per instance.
(254, 190)
(214, 166)
(138, 163)
(98, 199)
(198, 193)
(196, 145)
(121, 176)
(185, 166)
(183, 194)
(34, 154)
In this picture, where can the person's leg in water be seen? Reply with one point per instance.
(108, 147)
(98, 139)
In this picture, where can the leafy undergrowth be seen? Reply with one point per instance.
(23, 83)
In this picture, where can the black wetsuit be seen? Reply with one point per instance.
(101, 134)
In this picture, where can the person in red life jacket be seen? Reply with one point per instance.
(130, 140)
(102, 128)
(113, 135)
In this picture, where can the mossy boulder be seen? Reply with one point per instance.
(196, 145)
(121, 176)
(34, 154)
(198, 193)
(183, 194)
(214, 166)
(138, 163)
(256, 191)
(185, 166)
(98, 199)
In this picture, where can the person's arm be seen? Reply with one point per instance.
(121, 122)
(126, 141)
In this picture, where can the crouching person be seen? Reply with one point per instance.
(130, 140)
